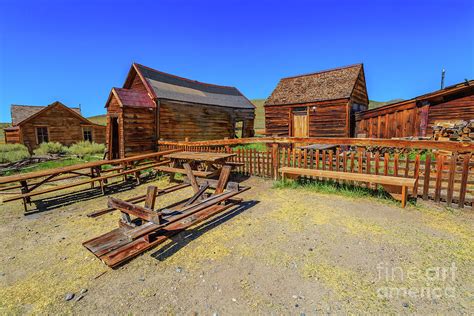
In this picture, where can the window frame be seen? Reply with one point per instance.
(90, 130)
(37, 134)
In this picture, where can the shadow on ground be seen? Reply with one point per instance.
(182, 239)
(51, 203)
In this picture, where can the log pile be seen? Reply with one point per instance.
(454, 131)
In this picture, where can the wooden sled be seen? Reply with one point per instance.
(150, 227)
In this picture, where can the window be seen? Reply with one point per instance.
(87, 133)
(42, 135)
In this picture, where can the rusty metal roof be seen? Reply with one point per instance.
(135, 98)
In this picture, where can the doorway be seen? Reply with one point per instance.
(299, 122)
(114, 131)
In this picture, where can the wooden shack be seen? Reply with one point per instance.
(154, 105)
(416, 117)
(33, 125)
(320, 104)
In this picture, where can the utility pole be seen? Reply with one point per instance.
(443, 72)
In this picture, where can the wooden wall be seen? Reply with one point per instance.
(359, 93)
(462, 108)
(201, 122)
(138, 126)
(328, 119)
(12, 136)
(63, 127)
(407, 119)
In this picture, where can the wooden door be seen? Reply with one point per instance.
(300, 124)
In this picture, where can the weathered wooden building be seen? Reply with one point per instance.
(33, 125)
(320, 104)
(154, 105)
(415, 117)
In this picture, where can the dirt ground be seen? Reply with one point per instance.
(283, 251)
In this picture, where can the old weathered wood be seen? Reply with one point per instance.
(140, 198)
(223, 179)
(403, 183)
(452, 170)
(464, 177)
(426, 177)
(191, 177)
(134, 210)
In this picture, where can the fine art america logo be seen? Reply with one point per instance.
(431, 283)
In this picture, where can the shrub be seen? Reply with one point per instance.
(13, 152)
(85, 148)
(50, 148)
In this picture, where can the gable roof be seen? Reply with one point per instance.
(166, 86)
(337, 83)
(133, 98)
(20, 113)
(22, 109)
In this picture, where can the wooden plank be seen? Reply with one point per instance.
(389, 180)
(464, 177)
(362, 142)
(191, 176)
(439, 176)
(150, 197)
(452, 169)
(183, 171)
(135, 210)
(223, 179)
(140, 198)
(88, 165)
(416, 174)
(426, 176)
(74, 184)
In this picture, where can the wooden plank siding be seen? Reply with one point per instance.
(63, 126)
(416, 117)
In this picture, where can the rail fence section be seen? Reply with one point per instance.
(444, 170)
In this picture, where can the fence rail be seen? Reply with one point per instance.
(444, 170)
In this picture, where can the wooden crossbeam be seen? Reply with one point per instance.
(140, 198)
(135, 210)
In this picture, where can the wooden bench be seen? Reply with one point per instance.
(202, 174)
(100, 179)
(396, 186)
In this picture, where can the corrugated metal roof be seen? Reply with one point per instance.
(331, 84)
(22, 112)
(167, 86)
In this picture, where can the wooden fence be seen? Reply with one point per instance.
(446, 177)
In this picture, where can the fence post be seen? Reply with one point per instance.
(227, 147)
(275, 160)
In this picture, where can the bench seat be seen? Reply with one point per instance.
(203, 174)
(390, 183)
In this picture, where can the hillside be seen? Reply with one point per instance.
(376, 104)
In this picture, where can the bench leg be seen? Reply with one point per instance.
(404, 196)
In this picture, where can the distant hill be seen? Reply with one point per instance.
(98, 119)
(376, 104)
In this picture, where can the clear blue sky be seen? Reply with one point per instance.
(76, 51)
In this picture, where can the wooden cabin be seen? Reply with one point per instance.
(33, 125)
(416, 117)
(154, 105)
(321, 104)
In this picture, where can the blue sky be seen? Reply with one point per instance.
(76, 51)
